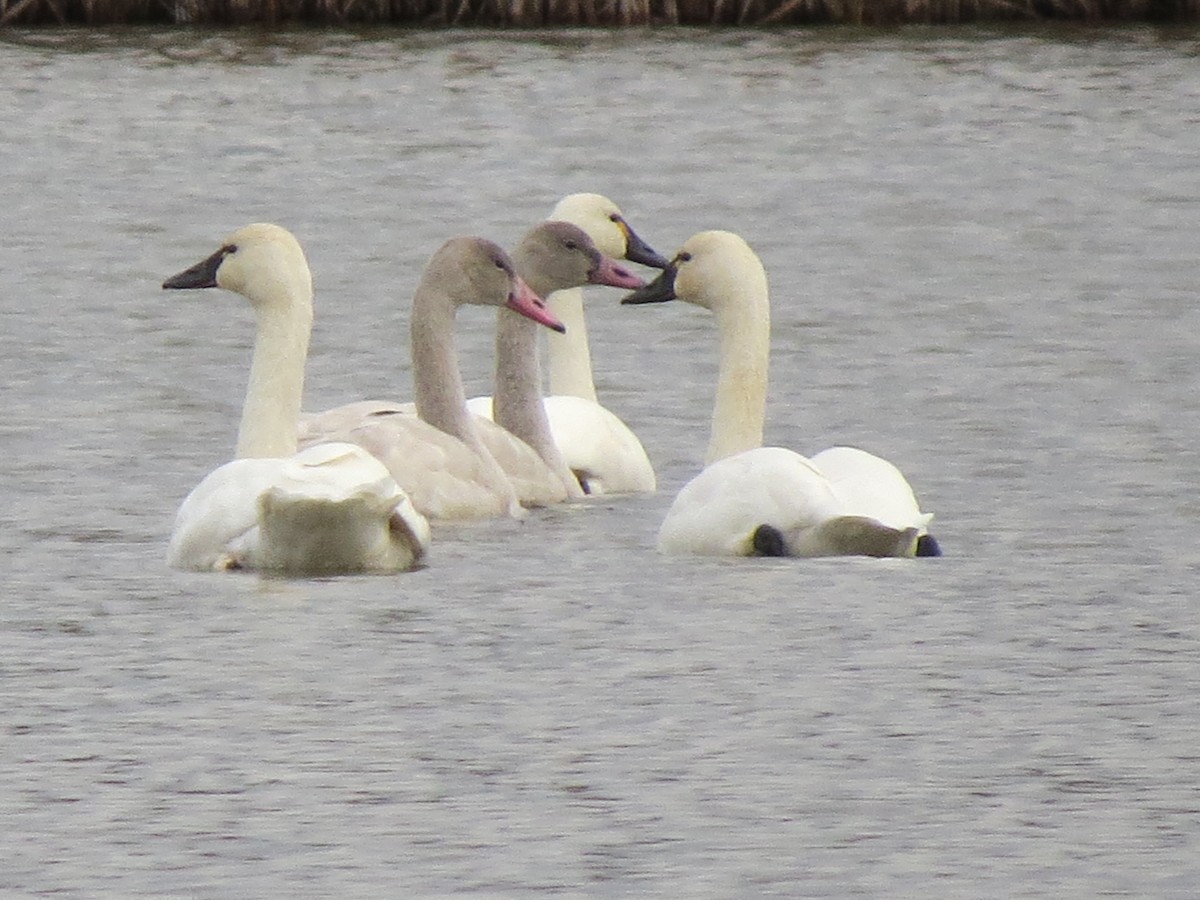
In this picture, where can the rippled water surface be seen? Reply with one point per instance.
(982, 250)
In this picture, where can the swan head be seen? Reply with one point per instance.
(713, 269)
(558, 255)
(604, 224)
(262, 262)
(477, 271)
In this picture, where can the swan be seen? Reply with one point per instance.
(770, 501)
(332, 508)
(605, 455)
(552, 256)
(447, 463)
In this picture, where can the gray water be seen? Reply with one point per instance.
(982, 251)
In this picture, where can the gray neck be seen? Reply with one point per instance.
(517, 398)
(437, 383)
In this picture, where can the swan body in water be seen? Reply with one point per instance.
(771, 501)
(330, 509)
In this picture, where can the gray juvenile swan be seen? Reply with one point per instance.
(439, 456)
(553, 256)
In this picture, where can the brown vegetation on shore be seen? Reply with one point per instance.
(532, 13)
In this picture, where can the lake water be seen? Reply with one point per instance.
(983, 256)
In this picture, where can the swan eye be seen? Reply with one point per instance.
(684, 257)
(571, 245)
(228, 249)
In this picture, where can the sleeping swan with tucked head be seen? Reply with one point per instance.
(769, 501)
(330, 509)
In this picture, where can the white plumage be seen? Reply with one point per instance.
(751, 499)
(330, 509)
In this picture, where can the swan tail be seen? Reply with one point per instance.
(855, 536)
(335, 509)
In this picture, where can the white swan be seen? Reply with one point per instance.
(600, 449)
(553, 256)
(330, 509)
(450, 466)
(770, 501)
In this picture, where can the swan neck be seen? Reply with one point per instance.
(517, 399)
(740, 407)
(437, 383)
(273, 394)
(570, 357)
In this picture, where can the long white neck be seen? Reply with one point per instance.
(517, 399)
(741, 400)
(272, 405)
(570, 358)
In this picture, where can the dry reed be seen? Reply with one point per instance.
(536, 13)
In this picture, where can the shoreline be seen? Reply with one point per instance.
(435, 14)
